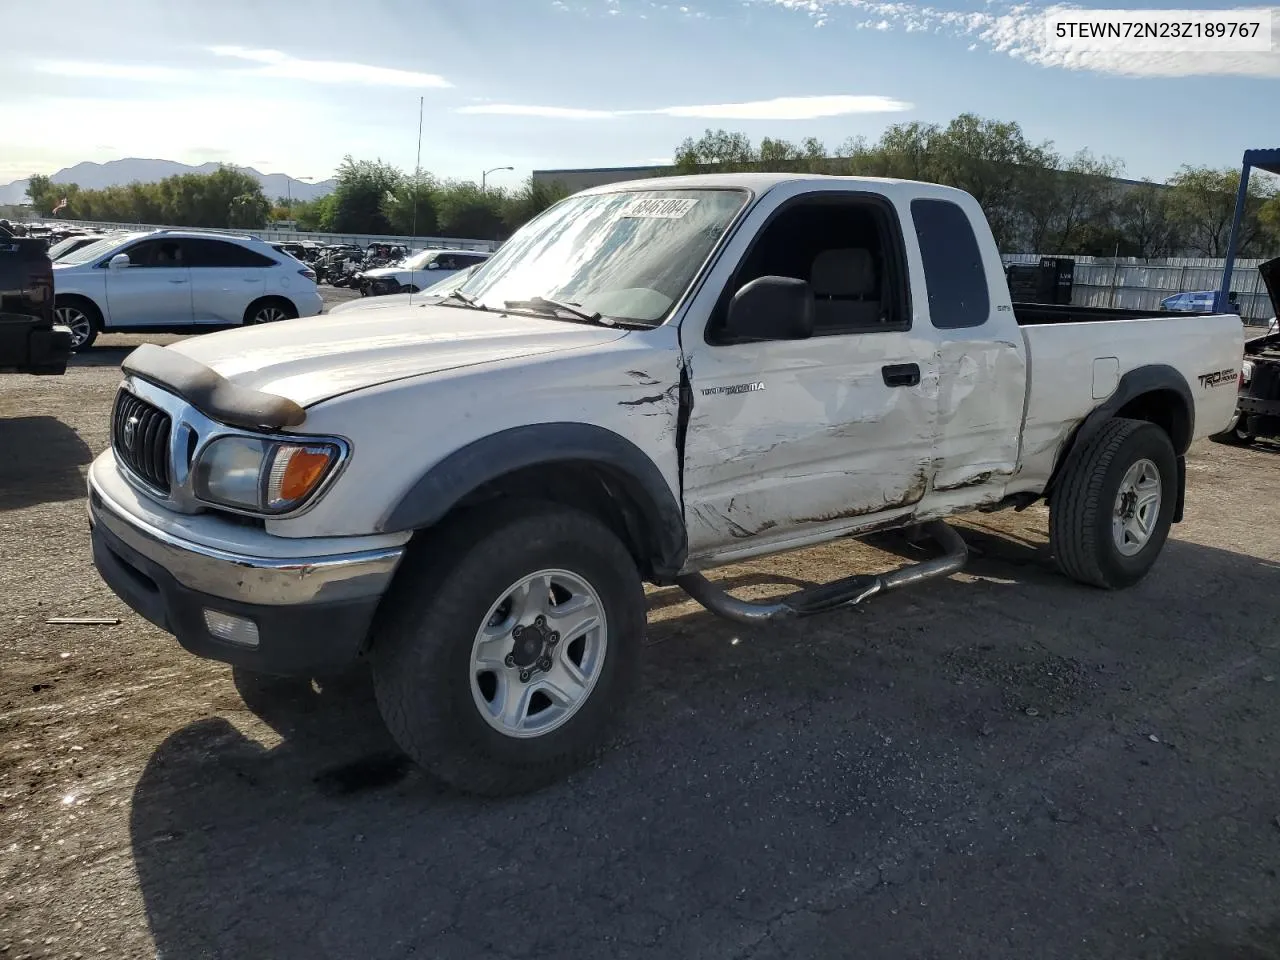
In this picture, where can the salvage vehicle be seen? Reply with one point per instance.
(179, 281)
(648, 381)
(1258, 402)
(442, 289)
(417, 271)
(31, 341)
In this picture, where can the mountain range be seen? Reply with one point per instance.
(114, 173)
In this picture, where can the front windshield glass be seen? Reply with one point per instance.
(87, 253)
(628, 255)
(417, 260)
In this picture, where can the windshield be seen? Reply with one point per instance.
(62, 246)
(417, 260)
(87, 253)
(628, 255)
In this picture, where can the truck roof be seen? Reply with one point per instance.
(758, 182)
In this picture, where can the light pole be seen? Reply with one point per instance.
(485, 175)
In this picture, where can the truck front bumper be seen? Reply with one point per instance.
(292, 616)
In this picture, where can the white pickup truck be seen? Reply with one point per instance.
(649, 380)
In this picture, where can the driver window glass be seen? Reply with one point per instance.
(155, 253)
(848, 250)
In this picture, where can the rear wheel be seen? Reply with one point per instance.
(1111, 513)
(270, 311)
(82, 317)
(508, 647)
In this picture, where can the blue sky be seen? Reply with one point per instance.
(292, 85)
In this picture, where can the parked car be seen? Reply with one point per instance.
(179, 281)
(650, 380)
(30, 339)
(430, 295)
(418, 271)
(1198, 301)
(72, 244)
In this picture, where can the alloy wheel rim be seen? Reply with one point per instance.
(77, 321)
(1137, 508)
(538, 654)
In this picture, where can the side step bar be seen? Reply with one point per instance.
(847, 592)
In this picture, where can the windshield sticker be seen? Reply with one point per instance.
(658, 208)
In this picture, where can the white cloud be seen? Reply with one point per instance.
(788, 108)
(779, 108)
(274, 63)
(1019, 31)
(523, 110)
(109, 71)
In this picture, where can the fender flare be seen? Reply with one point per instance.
(1135, 383)
(659, 528)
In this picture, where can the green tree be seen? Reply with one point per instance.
(1202, 202)
(468, 212)
(358, 197)
(530, 200)
(410, 208)
(1142, 215)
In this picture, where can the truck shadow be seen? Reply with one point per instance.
(328, 843)
(42, 462)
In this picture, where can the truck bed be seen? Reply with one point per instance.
(1039, 314)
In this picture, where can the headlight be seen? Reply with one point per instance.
(1246, 371)
(263, 476)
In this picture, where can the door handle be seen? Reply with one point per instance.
(901, 374)
(177, 281)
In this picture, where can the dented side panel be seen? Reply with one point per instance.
(981, 389)
(804, 435)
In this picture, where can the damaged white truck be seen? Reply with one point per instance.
(649, 380)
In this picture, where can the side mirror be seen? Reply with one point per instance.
(771, 308)
(119, 261)
(433, 265)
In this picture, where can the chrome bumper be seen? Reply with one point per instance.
(250, 580)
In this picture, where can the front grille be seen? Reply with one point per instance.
(140, 436)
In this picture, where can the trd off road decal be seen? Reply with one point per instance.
(1219, 378)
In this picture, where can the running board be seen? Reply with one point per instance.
(847, 592)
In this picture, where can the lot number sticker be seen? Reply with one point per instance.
(658, 208)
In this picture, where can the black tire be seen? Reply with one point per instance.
(1083, 505)
(421, 651)
(269, 310)
(75, 312)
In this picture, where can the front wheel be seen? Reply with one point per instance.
(508, 647)
(82, 319)
(1111, 513)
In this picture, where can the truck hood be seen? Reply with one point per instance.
(314, 358)
(1270, 271)
(384, 271)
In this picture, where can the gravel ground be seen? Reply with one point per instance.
(998, 765)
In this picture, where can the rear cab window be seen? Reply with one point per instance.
(956, 282)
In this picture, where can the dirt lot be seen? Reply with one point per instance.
(998, 765)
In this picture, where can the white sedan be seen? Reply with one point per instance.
(418, 271)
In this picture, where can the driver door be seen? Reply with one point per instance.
(795, 439)
(154, 290)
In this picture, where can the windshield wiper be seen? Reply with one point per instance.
(463, 299)
(543, 305)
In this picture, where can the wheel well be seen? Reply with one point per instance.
(83, 302)
(610, 496)
(1167, 409)
(270, 298)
